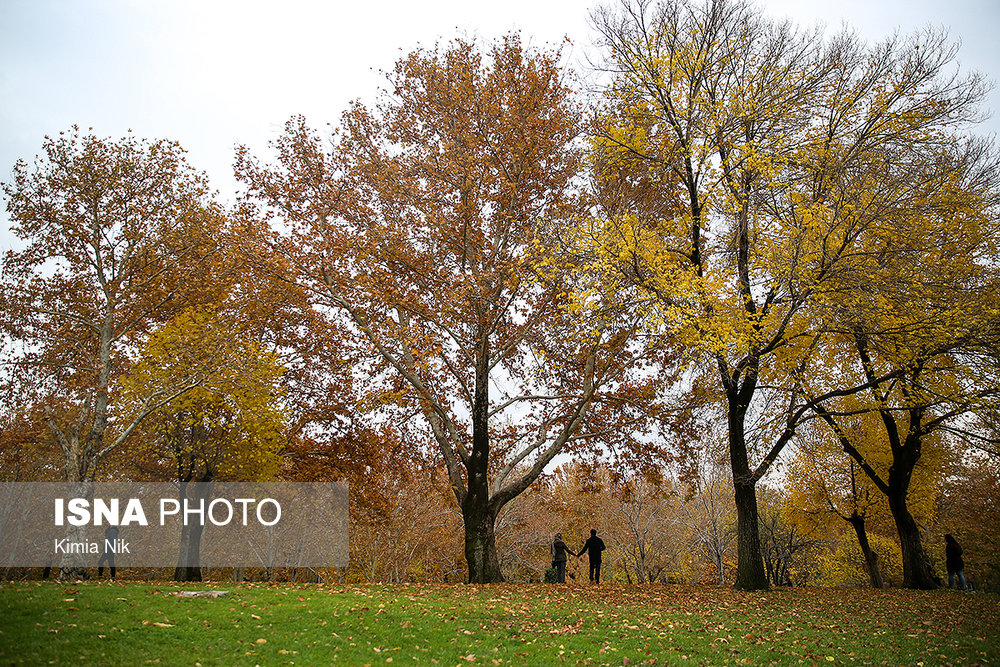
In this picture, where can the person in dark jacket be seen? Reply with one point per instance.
(954, 562)
(593, 548)
(559, 551)
(108, 554)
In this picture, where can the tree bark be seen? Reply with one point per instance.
(750, 573)
(190, 552)
(871, 558)
(189, 555)
(73, 566)
(478, 513)
(481, 546)
(917, 571)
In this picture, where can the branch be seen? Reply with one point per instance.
(852, 451)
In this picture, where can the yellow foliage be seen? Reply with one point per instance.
(845, 565)
(230, 425)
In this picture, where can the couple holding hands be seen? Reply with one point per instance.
(593, 547)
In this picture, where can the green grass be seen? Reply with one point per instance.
(136, 623)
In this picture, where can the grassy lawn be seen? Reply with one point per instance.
(135, 623)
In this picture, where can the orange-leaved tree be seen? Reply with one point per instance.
(110, 231)
(430, 226)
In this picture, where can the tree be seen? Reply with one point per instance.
(404, 524)
(770, 135)
(695, 88)
(639, 525)
(708, 514)
(911, 431)
(110, 229)
(828, 484)
(928, 318)
(782, 542)
(429, 228)
(229, 428)
(27, 452)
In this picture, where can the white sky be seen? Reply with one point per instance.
(211, 74)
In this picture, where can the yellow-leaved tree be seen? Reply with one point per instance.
(830, 487)
(229, 428)
(793, 158)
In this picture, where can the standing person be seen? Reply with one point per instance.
(953, 561)
(593, 547)
(108, 555)
(559, 551)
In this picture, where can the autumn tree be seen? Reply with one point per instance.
(912, 415)
(107, 233)
(632, 512)
(783, 543)
(927, 315)
(405, 524)
(830, 485)
(229, 428)
(656, 527)
(27, 450)
(109, 230)
(527, 525)
(767, 136)
(969, 508)
(429, 225)
(707, 513)
(712, 98)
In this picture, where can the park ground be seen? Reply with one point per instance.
(526, 624)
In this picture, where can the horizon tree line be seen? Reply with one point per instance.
(752, 224)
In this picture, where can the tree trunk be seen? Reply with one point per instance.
(750, 573)
(81, 451)
(917, 571)
(481, 546)
(189, 563)
(871, 558)
(189, 554)
(73, 566)
(720, 566)
(478, 513)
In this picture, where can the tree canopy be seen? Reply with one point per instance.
(788, 238)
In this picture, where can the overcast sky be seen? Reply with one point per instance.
(211, 74)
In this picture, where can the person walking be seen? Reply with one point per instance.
(593, 548)
(559, 551)
(108, 553)
(953, 561)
